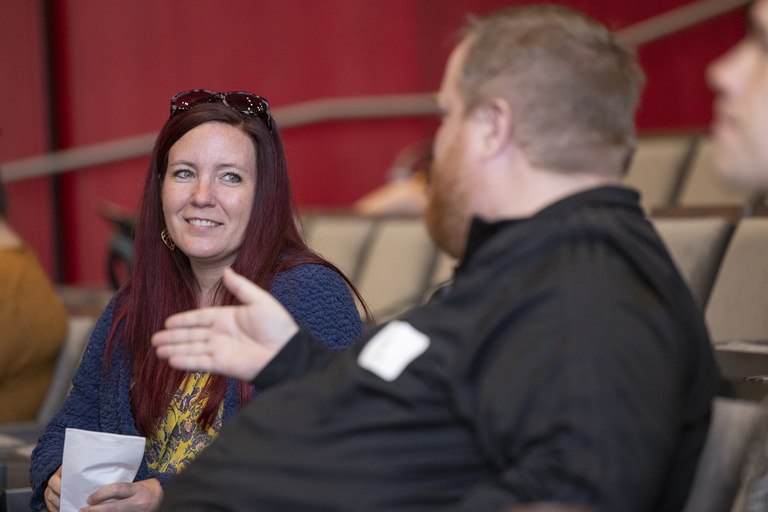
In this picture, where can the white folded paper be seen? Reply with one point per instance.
(93, 460)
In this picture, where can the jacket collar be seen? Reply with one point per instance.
(481, 232)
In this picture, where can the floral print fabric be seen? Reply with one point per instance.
(178, 438)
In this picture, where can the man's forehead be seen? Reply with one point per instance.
(453, 70)
(456, 60)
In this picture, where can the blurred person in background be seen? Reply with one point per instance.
(740, 126)
(216, 195)
(33, 325)
(405, 192)
(740, 152)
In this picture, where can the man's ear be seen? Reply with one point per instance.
(495, 125)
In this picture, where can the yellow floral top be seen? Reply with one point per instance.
(178, 438)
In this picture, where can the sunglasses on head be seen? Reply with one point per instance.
(243, 102)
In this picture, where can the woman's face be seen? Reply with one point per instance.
(207, 193)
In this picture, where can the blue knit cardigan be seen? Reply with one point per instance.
(315, 295)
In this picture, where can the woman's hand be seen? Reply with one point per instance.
(237, 341)
(144, 496)
(52, 493)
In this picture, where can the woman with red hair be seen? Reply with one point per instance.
(216, 195)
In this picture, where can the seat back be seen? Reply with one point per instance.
(738, 304)
(79, 328)
(701, 186)
(718, 475)
(15, 500)
(752, 494)
(395, 273)
(342, 239)
(696, 245)
(657, 167)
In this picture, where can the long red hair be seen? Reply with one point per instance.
(162, 282)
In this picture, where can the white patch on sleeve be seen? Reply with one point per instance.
(392, 349)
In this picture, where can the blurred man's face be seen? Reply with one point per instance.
(449, 191)
(740, 127)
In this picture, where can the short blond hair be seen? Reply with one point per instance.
(572, 87)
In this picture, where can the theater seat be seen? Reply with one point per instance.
(738, 304)
(79, 329)
(657, 167)
(395, 273)
(19, 438)
(718, 475)
(15, 500)
(342, 239)
(701, 186)
(696, 245)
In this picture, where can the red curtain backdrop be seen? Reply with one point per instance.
(116, 65)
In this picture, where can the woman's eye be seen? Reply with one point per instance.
(182, 173)
(232, 177)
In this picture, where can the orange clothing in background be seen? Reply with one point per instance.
(33, 326)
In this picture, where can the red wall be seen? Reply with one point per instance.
(23, 120)
(118, 63)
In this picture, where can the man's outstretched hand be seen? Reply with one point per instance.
(237, 341)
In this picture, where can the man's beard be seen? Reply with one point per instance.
(446, 217)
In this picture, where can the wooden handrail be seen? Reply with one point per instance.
(405, 105)
(300, 114)
(676, 20)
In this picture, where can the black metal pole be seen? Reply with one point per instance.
(52, 75)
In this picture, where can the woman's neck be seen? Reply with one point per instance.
(207, 280)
